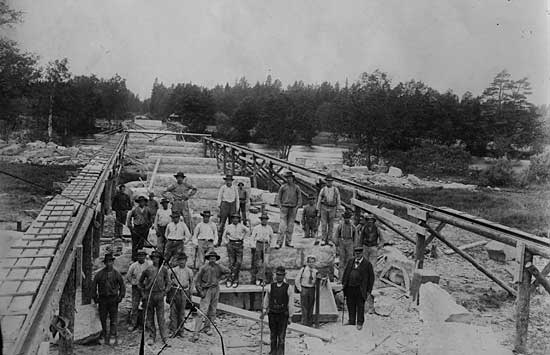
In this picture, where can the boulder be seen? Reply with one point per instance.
(499, 252)
(269, 198)
(359, 170)
(256, 195)
(12, 149)
(395, 172)
(438, 306)
(379, 169)
(414, 180)
(88, 326)
(36, 145)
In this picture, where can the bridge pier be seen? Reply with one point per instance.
(87, 264)
(523, 302)
(67, 311)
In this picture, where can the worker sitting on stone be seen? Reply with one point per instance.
(108, 291)
(181, 192)
(279, 307)
(345, 237)
(177, 234)
(207, 284)
(262, 236)
(305, 285)
(234, 236)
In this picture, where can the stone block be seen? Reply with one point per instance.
(499, 252)
(438, 306)
(269, 198)
(422, 276)
(299, 215)
(395, 172)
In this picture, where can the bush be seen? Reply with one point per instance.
(500, 174)
(430, 159)
(539, 169)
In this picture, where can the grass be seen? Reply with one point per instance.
(527, 210)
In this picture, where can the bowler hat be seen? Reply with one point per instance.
(264, 216)
(228, 177)
(108, 257)
(212, 253)
(205, 213)
(141, 197)
(164, 200)
(179, 174)
(280, 270)
(358, 249)
(311, 256)
(240, 184)
(289, 174)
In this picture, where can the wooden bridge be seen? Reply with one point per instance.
(40, 276)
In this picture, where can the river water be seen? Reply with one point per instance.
(299, 153)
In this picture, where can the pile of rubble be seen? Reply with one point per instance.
(42, 153)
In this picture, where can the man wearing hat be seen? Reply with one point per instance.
(279, 307)
(181, 286)
(234, 236)
(289, 198)
(243, 201)
(155, 283)
(207, 283)
(310, 220)
(139, 221)
(371, 240)
(203, 236)
(305, 285)
(108, 291)
(228, 202)
(177, 234)
(262, 235)
(345, 238)
(327, 205)
(357, 283)
(153, 204)
(162, 219)
(134, 274)
(121, 205)
(181, 192)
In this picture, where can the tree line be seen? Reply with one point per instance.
(372, 112)
(51, 98)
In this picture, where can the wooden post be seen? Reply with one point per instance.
(317, 301)
(205, 147)
(522, 305)
(78, 262)
(419, 253)
(87, 263)
(19, 226)
(233, 158)
(224, 161)
(255, 173)
(67, 310)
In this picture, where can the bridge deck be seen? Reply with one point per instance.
(23, 270)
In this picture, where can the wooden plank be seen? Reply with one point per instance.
(298, 328)
(389, 217)
(522, 306)
(146, 131)
(418, 213)
(466, 247)
(153, 176)
(30, 267)
(17, 294)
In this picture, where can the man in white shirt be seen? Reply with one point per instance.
(327, 205)
(162, 218)
(262, 235)
(228, 201)
(134, 273)
(204, 235)
(176, 234)
(234, 235)
(305, 284)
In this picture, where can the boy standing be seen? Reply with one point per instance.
(207, 285)
(121, 205)
(177, 298)
(279, 307)
(345, 239)
(162, 218)
(134, 274)
(139, 221)
(176, 234)
(305, 284)
(309, 218)
(204, 235)
(262, 235)
(233, 236)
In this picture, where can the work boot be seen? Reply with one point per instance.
(359, 326)
(349, 323)
(235, 284)
(150, 341)
(316, 242)
(228, 283)
(106, 340)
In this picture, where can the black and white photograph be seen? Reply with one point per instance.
(299, 177)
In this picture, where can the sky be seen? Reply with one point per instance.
(448, 44)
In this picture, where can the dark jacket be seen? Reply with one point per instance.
(108, 284)
(367, 276)
(121, 202)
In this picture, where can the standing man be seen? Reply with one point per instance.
(153, 204)
(288, 199)
(108, 291)
(204, 235)
(154, 289)
(357, 285)
(181, 192)
(278, 304)
(228, 201)
(327, 205)
(345, 238)
(243, 202)
(139, 221)
(177, 299)
(310, 220)
(233, 237)
(305, 284)
(207, 284)
(177, 234)
(371, 241)
(262, 235)
(121, 205)
(162, 219)
(134, 274)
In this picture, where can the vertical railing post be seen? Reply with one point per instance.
(523, 303)
(419, 253)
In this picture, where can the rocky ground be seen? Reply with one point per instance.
(42, 153)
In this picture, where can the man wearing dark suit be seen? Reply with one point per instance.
(357, 282)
